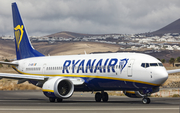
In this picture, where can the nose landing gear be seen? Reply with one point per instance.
(146, 100)
(145, 94)
(101, 96)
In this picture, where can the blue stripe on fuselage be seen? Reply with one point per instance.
(98, 84)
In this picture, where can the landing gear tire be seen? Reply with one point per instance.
(146, 100)
(59, 99)
(98, 97)
(105, 97)
(52, 99)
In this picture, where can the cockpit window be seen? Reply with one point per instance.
(146, 65)
(160, 64)
(143, 65)
(153, 64)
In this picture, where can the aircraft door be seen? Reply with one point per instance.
(44, 68)
(23, 65)
(130, 68)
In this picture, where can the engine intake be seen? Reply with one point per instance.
(58, 88)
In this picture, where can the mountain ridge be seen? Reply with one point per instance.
(67, 34)
(173, 27)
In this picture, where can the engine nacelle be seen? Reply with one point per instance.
(58, 88)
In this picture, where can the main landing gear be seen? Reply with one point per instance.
(54, 99)
(101, 96)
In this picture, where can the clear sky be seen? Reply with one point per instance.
(44, 17)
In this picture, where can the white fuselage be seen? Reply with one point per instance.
(131, 69)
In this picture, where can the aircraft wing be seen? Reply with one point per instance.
(173, 71)
(9, 63)
(22, 78)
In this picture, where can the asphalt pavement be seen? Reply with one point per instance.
(36, 102)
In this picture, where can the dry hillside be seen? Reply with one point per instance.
(7, 49)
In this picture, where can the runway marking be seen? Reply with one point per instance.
(112, 109)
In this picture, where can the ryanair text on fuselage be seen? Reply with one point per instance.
(93, 65)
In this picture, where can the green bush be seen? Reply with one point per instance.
(176, 95)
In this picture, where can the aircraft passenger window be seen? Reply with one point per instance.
(143, 65)
(160, 64)
(153, 64)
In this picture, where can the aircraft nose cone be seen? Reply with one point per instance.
(162, 76)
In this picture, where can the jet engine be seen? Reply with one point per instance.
(58, 87)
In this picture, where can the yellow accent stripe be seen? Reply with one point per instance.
(48, 90)
(131, 92)
(91, 76)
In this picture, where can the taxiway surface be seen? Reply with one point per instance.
(36, 102)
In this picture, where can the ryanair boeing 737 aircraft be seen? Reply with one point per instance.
(137, 75)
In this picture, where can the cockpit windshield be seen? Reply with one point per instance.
(160, 64)
(153, 64)
(146, 65)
